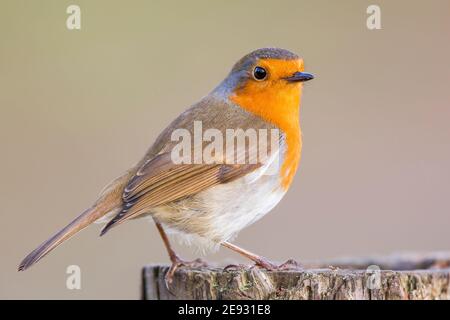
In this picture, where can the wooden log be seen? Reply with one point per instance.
(410, 276)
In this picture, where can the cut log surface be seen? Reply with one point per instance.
(405, 276)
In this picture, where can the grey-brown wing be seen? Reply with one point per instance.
(160, 181)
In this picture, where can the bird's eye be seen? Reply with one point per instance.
(259, 73)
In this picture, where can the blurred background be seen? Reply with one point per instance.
(78, 107)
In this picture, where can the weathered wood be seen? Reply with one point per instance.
(398, 277)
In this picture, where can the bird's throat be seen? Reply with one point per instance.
(279, 105)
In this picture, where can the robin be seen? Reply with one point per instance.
(207, 204)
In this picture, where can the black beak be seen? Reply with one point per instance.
(300, 77)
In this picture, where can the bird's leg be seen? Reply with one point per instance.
(174, 258)
(261, 261)
(258, 260)
(172, 255)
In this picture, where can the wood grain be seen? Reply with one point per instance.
(407, 276)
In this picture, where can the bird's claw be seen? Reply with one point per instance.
(290, 264)
(234, 267)
(177, 263)
(263, 263)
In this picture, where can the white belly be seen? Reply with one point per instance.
(230, 207)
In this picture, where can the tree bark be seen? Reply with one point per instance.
(409, 276)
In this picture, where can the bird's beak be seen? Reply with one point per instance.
(300, 77)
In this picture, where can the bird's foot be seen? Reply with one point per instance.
(234, 267)
(290, 264)
(263, 263)
(177, 262)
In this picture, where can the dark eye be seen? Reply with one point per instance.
(259, 73)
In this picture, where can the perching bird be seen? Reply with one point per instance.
(207, 204)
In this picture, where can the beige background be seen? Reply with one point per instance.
(80, 107)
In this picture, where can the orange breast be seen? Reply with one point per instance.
(277, 102)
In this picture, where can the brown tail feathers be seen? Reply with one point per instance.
(81, 222)
(110, 200)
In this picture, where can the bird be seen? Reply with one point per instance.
(206, 203)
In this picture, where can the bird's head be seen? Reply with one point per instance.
(267, 82)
